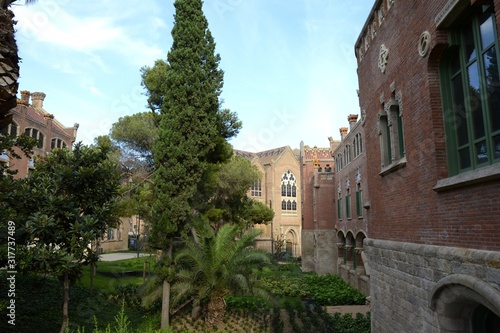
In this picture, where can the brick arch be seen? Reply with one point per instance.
(455, 297)
(350, 246)
(360, 237)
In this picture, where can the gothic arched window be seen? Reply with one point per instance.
(288, 192)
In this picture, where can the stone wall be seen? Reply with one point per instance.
(425, 288)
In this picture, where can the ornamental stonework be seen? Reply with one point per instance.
(383, 57)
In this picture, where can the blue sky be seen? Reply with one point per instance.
(290, 70)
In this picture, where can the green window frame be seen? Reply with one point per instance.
(348, 205)
(401, 142)
(471, 93)
(359, 204)
(385, 139)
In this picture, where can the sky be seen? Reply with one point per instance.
(289, 65)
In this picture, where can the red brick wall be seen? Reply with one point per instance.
(404, 206)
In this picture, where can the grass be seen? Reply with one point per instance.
(39, 299)
(114, 271)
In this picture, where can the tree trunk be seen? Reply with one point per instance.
(65, 303)
(165, 304)
(9, 66)
(216, 311)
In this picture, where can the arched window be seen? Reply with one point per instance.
(11, 129)
(57, 143)
(347, 154)
(288, 192)
(34, 133)
(358, 145)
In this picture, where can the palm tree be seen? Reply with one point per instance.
(215, 266)
(9, 62)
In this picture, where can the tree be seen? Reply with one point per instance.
(215, 266)
(9, 62)
(229, 202)
(68, 204)
(134, 136)
(192, 129)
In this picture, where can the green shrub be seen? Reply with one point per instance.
(325, 289)
(248, 303)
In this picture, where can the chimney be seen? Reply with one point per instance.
(25, 97)
(37, 100)
(352, 118)
(343, 133)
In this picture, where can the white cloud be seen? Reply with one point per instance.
(87, 35)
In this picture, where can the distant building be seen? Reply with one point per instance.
(33, 120)
(279, 188)
(318, 214)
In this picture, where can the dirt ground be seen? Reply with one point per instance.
(353, 309)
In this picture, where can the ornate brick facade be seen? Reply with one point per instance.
(34, 120)
(428, 89)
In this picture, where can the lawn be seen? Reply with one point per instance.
(111, 274)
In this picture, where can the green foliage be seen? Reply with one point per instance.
(325, 289)
(67, 203)
(346, 323)
(135, 135)
(38, 306)
(248, 303)
(332, 290)
(192, 130)
(229, 202)
(217, 265)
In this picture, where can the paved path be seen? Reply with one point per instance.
(352, 309)
(120, 255)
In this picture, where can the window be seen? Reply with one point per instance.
(57, 143)
(471, 93)
(391, 132)
(11, 129)
(339, 206)
(347, 154)
(385, 139)
(348, 203)
(257, 188)
(288, 192)
(338, 162)
(111, 234)
(359, 200)
(34, 133)
(358, 145)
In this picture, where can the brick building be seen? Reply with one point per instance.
(352, 205)
(429, 92)
(318, 224)
(279, 188)
(33, 120)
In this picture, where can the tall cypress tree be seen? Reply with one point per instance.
(189, 135)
